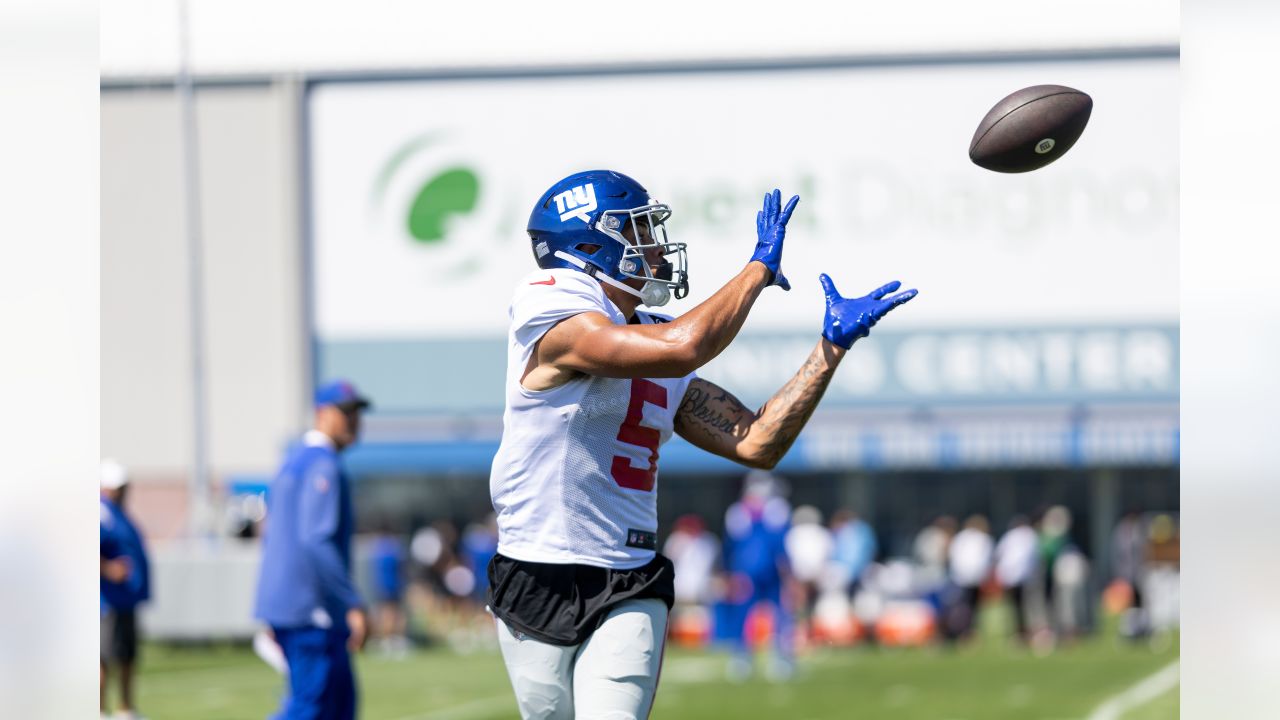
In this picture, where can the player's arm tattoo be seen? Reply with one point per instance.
(711, 415)
(781, 419)
(713, 419)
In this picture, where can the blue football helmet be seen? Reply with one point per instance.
(580, 222)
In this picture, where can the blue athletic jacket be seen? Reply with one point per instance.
(305, 578)
(116, 537)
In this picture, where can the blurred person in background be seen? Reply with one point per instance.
(845, 595)
(855, 547)
(1163, 546)
(809, 546)
(447, 581)
(479, 545)
(930, 550)
(388, 559)
(433, 552)
(695, 553)
(1015, 565)
(1128, 558)
(969, 564)
(468, 583)
(1161, 572)
(759, 571)
(1070, 593)
(422, 594)
(124, 584)
(464, 623)
(594, 387)
(305, 589)
(1052, 536)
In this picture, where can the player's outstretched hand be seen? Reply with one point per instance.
(851, 318)
(771, 229)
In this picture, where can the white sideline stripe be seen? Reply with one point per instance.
(1145, 690)
(480, 708)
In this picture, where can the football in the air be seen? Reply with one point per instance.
(1030, 128)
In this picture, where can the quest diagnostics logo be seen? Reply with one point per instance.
(430, 195)
(452, 192)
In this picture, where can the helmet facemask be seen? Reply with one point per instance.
(661, 278)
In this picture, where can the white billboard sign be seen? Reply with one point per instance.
(420, 191)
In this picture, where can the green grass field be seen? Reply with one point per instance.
(985, 681)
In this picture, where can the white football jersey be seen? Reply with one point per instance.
(575, 479)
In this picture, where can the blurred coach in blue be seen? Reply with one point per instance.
(124, 585)
(305, 589)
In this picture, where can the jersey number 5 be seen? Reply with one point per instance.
(633, 433)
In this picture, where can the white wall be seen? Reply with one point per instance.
(146, 403)
(252, 276)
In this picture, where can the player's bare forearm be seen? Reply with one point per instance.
(590, 343)
(709, 328)
(713, 419)
(781, 419)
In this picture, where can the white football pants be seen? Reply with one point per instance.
(612, 675)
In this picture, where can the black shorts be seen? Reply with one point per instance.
(564, 604)
(119, 638)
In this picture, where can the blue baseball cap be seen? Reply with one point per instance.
(341, 393)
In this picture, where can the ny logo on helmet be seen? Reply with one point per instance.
(577, 202)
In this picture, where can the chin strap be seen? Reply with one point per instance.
(596, 273)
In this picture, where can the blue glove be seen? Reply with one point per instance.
(771, 228)
(851, 318)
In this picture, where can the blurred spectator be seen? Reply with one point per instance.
(1128, 559)
(969, 557)
(1070, 582)
(1163, 556)
(759, 570)
(387, 556)
(425, 549)
(1163, 549)
(305, 590)
(855, 547)
(1053, 535)
(480, 544)
(451, 576)
(434, 552)
(245, 511)
(930, 549)
(695, 553)
(809, 547)
(124, 583)
(1015, 565)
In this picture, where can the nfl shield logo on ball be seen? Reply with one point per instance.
(1044, 146)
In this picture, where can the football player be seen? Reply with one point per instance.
(594, 386)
